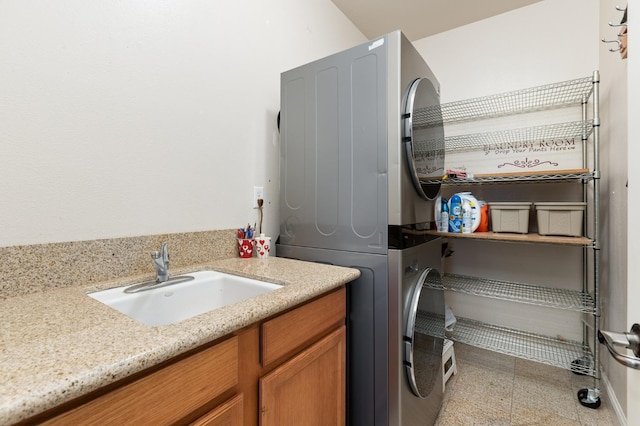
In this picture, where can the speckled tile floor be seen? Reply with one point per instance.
(494, 389)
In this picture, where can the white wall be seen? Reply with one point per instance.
(147, 117)
(614, 195)
(633, 285)
(545, 42)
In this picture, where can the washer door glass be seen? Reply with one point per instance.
(424, 335)
(423, 137)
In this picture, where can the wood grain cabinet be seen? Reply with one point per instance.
(229, 413)
(165, 396)
(308, 388)
(289, 369)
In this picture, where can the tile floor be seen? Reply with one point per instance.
(494, 389)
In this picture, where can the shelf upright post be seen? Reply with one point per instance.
(596, 214)
(591, 396)
(587, 213)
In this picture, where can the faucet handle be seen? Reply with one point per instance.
(164, 252)
(155, 255)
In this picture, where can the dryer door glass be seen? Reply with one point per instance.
(424, 335)
(423, 137)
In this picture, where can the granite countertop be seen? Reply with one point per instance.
(60, 344)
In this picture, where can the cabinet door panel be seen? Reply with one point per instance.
(228, 414)
(309, 389)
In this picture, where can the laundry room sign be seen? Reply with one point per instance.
(543, 147)
(536, 156)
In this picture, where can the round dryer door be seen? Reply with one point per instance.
(423, 334)
(423, 137)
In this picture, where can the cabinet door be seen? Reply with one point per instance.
(228, 414)
(309, 389)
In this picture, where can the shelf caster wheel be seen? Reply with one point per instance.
(589, 398)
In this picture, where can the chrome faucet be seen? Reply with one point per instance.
(161, 262)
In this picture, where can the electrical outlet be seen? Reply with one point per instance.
(258, 192)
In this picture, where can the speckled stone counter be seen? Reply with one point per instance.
(60, 344)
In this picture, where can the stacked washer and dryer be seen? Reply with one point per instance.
(357, 169)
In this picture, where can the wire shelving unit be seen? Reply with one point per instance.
(579, 357)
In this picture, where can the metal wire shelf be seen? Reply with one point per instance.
(570, 355)
(517, 292)
(539, 98)
(515, 178)
(527, 137)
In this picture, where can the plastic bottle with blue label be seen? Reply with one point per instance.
(444, 216)
(467, 223)
(455, 214)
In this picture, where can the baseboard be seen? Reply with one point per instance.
(615, 405)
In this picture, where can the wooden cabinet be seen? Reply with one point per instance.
(291, 366)
(309, 389)
(229, 413)
(289, 332)
(165, 396)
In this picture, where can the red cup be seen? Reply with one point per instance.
(245, 248)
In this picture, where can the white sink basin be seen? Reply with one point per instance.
(208, 290)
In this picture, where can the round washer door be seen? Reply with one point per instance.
(423, 137)
(423, 334)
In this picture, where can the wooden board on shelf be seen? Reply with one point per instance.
(531, 173)
(523, 238)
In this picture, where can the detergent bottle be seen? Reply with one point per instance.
(444, 216)
(455, 214)
(466, 217)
